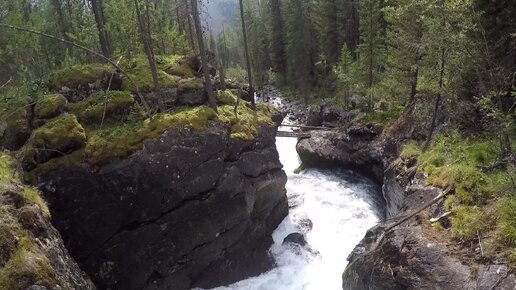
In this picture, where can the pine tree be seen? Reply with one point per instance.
(372, 45)
(277, 40)
(344, 74)
(301, 46)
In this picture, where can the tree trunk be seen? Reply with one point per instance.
(247, 58)
(98, 11)
(204, 59)
(147, 45)
(413, 83)
(190, 27)
(437, 103)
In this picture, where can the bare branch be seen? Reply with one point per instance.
(6, 83)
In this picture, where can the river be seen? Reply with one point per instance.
(333, 208)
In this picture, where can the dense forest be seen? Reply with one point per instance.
(376, 57)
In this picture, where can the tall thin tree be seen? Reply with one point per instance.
(143, 27)
(98, 11)
(247, 58)
(204, 58)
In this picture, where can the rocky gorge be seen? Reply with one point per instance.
(411, 255)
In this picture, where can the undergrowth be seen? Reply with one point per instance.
(484, 202)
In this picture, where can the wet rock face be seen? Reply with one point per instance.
(354, 151)
(191, 209)
(403, 259)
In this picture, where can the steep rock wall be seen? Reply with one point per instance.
(191, 209)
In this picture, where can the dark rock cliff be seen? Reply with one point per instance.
(191, 209)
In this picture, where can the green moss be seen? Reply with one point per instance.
(116, 105)
(244, 125)
(80, 75)
(49, 106)
(191, 84)
(6, 171)
(467, 221)
(33, 196)
(114, 143)
(140, 73)
(59, 134)
(27, 266)
(181, 70)
(226, 97)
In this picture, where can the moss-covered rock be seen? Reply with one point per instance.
(226, 97)
(57, 137)
(49, 106)
(114, 143)
(181, 70)
(81, 76)
(115, 106)
(62, 134)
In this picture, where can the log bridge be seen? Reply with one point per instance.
(306, 133)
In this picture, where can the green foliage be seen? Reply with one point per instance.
(411, 151)
(383, 117)
(237, 74)
(344, 74)
(119, 141)
(467, 221)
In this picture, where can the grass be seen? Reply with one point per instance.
(483, 202)
(383, 117)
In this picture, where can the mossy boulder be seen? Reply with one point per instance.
(49, 106)
(181, 70)
(78, 81)
(226, 97)
(115, 106)
(59, 136)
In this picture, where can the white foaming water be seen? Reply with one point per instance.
(341, 208)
